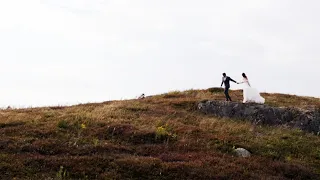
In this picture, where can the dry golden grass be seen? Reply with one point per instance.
(160, 137)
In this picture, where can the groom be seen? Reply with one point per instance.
(226, 80)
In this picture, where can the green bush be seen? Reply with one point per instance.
(63, 124)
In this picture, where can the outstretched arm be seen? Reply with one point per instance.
(245, 81)
(233, 80)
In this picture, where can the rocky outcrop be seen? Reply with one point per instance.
(306, 120)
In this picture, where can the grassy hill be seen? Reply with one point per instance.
(160, 137)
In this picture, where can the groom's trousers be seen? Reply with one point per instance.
(226, 92)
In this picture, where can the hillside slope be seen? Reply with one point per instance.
(160, 137)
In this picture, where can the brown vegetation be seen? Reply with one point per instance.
(159, 137)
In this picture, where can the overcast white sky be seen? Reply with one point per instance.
(57, 52)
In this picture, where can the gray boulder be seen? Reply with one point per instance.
(241, 152)
(306, 120)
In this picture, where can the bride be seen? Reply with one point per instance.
(250, 94)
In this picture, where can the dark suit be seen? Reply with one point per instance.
(226, 81)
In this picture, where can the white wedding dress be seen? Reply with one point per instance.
(251, 94)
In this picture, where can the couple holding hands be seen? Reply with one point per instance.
(250, 95)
